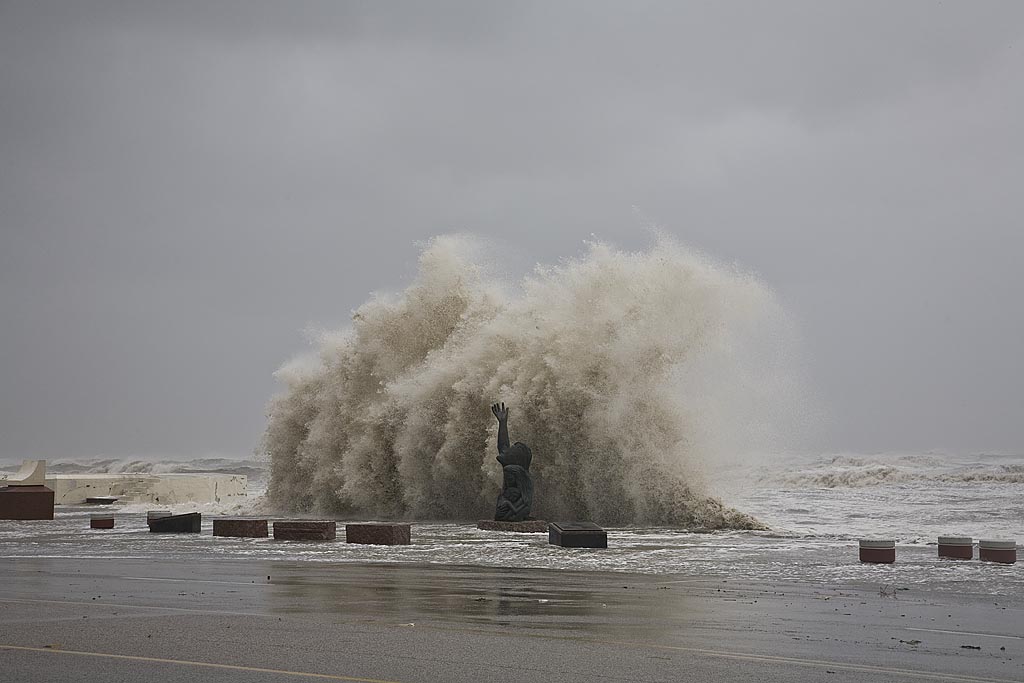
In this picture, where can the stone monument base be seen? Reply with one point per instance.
(379, 534)
(26, 502)
(302, 530)
(529, 526)
(577, 535)
(240, 528)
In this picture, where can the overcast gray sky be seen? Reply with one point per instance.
(185, 186)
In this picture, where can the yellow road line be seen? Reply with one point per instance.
(185, 662)
(748, 657)
(187, 610)
(93, 603)
(253, 584)
(721, 654)
(818, 663)
(963, 633)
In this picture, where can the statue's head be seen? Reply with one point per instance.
(517, 454)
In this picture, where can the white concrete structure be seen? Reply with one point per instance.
(165, 489)
(32, 473)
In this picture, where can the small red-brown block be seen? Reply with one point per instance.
(101, 521)
(378, 534)
(305, 531)
(1004, 552)
(956, 547)
(878, 552)
(26, 502)
(240, 528)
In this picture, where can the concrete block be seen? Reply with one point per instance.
(240, 528)
(378, 534)
(577, 535)
(26, 502)
(956, 547)
(877, 551)
(32, 473)
(1004, 552)
(188, 523)
(101, 521)
(152, 489)
(305, 530)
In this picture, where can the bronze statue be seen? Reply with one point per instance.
(516, 495)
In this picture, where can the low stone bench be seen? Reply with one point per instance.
(378, 534)
(188, 523)
(529, 526)
(101, 521)
(240, 528)
(577, 535)
(303, 530)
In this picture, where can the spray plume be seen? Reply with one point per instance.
(624, 371)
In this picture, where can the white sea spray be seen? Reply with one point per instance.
(627, 373)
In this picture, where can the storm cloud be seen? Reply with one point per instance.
(185, 187)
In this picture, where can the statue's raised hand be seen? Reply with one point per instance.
(500, 412)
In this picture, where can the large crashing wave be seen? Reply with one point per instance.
(623, 372)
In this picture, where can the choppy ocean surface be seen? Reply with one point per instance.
(817, 509)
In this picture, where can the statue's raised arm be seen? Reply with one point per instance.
(516, 496)
(501, 412)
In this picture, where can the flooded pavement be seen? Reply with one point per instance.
(413, 622)
(735, 555)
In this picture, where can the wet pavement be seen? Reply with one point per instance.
(229, 619)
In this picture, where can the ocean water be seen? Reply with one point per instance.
(817, 508)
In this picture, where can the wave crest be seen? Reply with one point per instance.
(864, 471)
(620, 370)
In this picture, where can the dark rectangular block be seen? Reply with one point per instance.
(101, 521)
(26, 502)
(877, 551)
(577, 535)
(240, 528)
(101, 500)
(305, 531)
(379, 534)
(956, 547)
(529, 526)
(188, 523)
(997, 551)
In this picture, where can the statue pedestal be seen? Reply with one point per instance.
(529, 526)
(26, 502)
